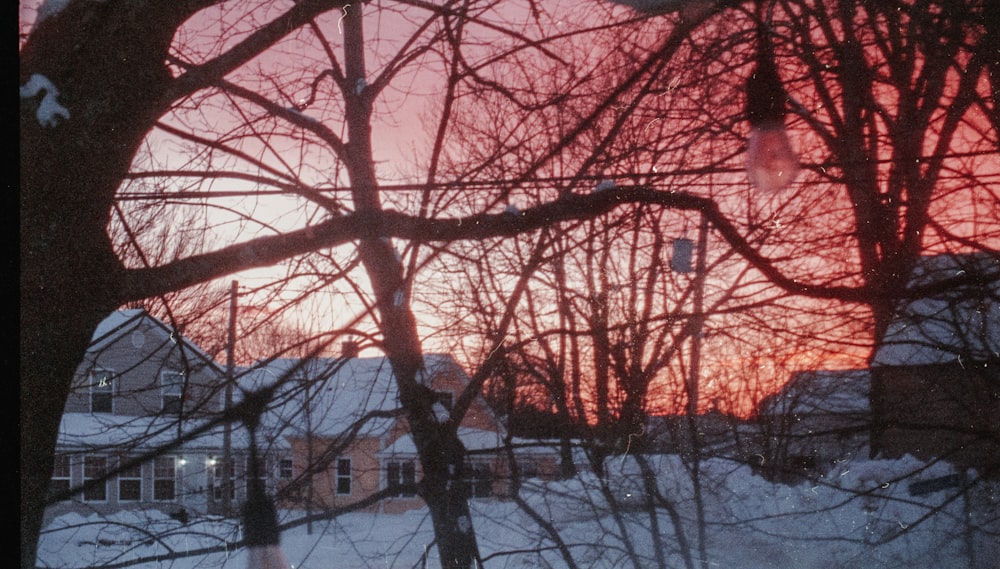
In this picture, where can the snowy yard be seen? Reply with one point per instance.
(862, 515)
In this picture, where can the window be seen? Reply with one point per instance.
(172, 387)
(401, 478)
(218, 479)
(165, 478)
(262, 475)
(101, 391)
(343, 477)
(61, 476)
(94, 468)
(130, 483)
(479, 477)
(285, 471)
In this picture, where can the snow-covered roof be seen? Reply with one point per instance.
(112, 327)
(473, 439)
(821, 392)
(99, 431)
(962, 322)
(121, 322)
(335, 393)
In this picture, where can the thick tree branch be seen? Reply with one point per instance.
(206, 74)
(265, 251)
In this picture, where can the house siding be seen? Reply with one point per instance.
(949, 411)
(371, 453)
(137, 368)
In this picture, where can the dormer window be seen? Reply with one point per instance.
(172, 389)
(102, 391)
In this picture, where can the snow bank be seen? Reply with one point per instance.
(860, 515)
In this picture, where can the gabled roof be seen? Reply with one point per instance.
(114, 326)
(118, 324)
(962, 322)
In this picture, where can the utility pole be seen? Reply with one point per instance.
(698, 316)
(698, 323)
(227, 427)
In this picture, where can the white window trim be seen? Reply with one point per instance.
(400, 462)
(100, 475)
(164, 387)
(281, 469)
(471, 468)
(69, 470)
(218, 480)
(156, 477)
(337, 476)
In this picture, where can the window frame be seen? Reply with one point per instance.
(446, 398)
(131, 475)
(98, 392)
(172, 403)
(218, 482)
(479, 486)
(96, 493)
(286, 469)
(64, 478)
(159, 478)
(399, 473)
(342, 479)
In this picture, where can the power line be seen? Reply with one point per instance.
(436, 186)
(690, 175)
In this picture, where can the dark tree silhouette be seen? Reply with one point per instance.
(101, 83)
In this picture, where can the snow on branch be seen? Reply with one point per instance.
(49, 109)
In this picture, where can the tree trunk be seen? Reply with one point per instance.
(103, 73)
(442, 455)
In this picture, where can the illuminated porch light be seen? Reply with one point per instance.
(772, 164)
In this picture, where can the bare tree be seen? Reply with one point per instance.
(78, 103)
(99, 82)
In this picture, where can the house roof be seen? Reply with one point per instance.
(116, 324)
(339, 392)
(962, 322)
(473, 439)
(121, 322)
(821, 392)
(119, 433)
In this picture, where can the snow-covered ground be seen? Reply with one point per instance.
(861, 515)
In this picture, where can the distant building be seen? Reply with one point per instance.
(713, 432)
(936, 376)
(349, 438)
(819, 418)
(932, 390)
(332, 435)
